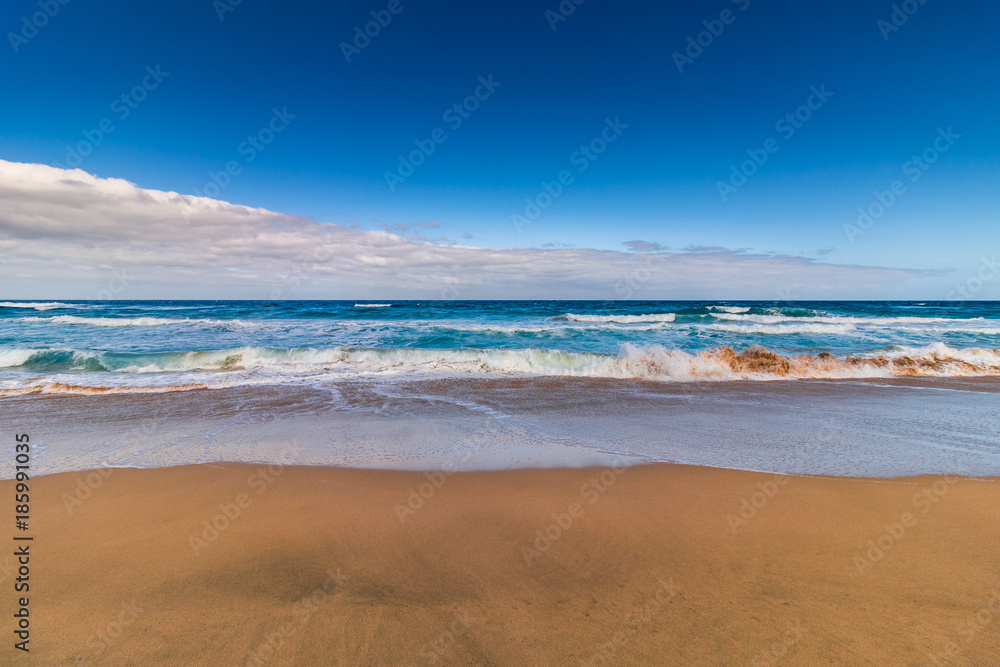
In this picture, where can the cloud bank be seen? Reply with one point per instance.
(67, 233)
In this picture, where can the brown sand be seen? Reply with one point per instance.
(651, 572)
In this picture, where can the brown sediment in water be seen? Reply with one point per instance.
(908, 366)
(758, 360)
(877, 362)
(84, 390)
(755, 359)
(903, 366)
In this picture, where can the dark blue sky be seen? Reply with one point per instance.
(658, 180)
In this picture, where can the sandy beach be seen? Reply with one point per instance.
(660, 564)
(500, 334)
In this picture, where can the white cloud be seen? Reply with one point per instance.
(64, 232)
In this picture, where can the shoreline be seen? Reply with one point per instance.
(318, 565)
(556, 469)
(984, 382)
(856, 429)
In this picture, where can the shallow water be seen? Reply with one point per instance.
(883, 428)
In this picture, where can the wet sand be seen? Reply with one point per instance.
(844, 428)
(660, 564)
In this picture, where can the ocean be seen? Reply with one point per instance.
(140, 345)
(879, 389)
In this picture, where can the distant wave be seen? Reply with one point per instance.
(730, 309)
(990, 331)
(615, 325)
(272, 365)
(619, 319)
(839, 319)
(784, 329)
(118, 321)
(37, 306)
(543, 329)
(372, 305)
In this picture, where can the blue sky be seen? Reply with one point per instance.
(889, 94)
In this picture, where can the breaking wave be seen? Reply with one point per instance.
(730, 309)
(784, 329)
(116, 321)
(37, 306)
(618, 319)
(274, 365)
(839, 319)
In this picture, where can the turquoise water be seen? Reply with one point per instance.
(147, 344)
(422, 385)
